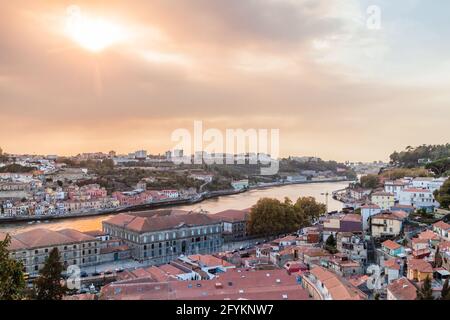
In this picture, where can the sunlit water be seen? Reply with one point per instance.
(239, 201)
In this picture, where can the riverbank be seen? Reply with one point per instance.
(158, 205)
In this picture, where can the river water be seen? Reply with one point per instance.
(239, 201)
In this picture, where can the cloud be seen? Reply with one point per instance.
(302, 66)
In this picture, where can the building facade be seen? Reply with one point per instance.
(33, 247)
(162, 236)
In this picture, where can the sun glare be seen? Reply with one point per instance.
(93, 34)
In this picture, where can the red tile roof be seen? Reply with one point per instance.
(428, 235)
(233, 284)
(142, 223)
(442, 225)
(391, 245)
(337, 287)
(392, 264)
(403, 289)
(420, 265)
(232, 215)
(38, 238)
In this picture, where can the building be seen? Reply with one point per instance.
(343, 266)
(171, 194)
(235, 284)
(240, 185)
(359, 193)
(420, 247)
(367, 211)
(385, 200)
(161, 236)
(392, 269)
(386, 224)
(393, 248)
(234, 224)
(140, 155)
(401, 289)
(296, 179)
(323, 284)
(428, 183)
(395, 187)
(341, 223)
(352, 245)
(418, 198)
(34, 246)
(442, 229)
(419, 270)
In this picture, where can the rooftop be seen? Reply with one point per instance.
(231, 285)
(160, 220)
(391, 245)
(38, 238)
(420, 265)
(403, 289)
(232, 215)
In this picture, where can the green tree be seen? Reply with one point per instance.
(443, 194)
(426, 291)
(445, 293)
(330, 244)
(370, 181)
(439, 167)
(309, 208)
(48, 286)
(12, 282)
(437, 259)
(267, 217)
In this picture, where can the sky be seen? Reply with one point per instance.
(100, 75)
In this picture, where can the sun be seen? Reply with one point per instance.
(93, 34)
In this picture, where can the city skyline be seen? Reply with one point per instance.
(129, 75)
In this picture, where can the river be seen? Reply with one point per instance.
(239, 201)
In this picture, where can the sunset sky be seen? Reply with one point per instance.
(136, 70)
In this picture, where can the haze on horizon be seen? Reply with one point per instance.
(136, 71)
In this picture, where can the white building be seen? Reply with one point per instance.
(419, 198)
(395, 187)
(431, 184)
(367, 211)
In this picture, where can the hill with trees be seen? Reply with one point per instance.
(412, 156)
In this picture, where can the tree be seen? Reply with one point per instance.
(439, 167)
(443, 194)
(437, 259)
(445, 293)
(272, 217)
(12, 282)
(370, 181)
(309, 209)
(426, 291)
(267, 217)
(48, 286)
(330, 244)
